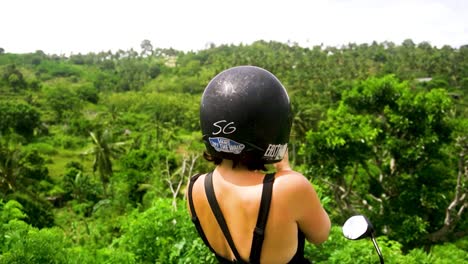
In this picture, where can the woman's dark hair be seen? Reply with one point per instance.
(247, 159)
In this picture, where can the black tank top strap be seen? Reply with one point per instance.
(195, 219)
(210, 195)
(259, 231)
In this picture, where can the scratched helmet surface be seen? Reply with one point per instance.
(246, 109)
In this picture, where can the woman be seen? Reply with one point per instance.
(243, 214)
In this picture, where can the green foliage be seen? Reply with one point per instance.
(448, 253)
(13, 78)
(48, 69)
(306, 116)
(80, 255)
(42, 148)
(170, 110)
(38, 212)
(140, 159)
(387, 141)
(67, 141)
(34, 166)
(89, 93)
(11, 210)
(21, 243)
(163, 235)
(385, 145)
(104, 150)
(78, 185)
(19, 117)
(79, 126)
(338, 249)
(21, 172)
(61, 100)
(27, 245)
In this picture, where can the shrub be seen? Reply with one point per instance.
(67, 141)
(27, 245)
(448, 254)
(88, 93)
(18, 117)
(39, 213)
(163, 235)
(42, 147)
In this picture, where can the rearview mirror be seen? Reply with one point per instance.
(357, 227)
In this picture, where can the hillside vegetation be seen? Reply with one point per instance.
(96, 149)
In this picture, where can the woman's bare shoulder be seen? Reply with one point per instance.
(291, 180)
(304, 204)
(294, 188)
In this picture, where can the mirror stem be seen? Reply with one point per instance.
(377, 249)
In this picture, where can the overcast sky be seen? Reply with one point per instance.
(81, 26)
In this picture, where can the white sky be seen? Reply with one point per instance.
(81, 26)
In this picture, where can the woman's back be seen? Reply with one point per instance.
(238, 192)
(246, 119)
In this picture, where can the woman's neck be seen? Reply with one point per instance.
(238, 175)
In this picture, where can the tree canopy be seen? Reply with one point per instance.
(95, 149)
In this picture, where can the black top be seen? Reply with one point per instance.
(257, 241)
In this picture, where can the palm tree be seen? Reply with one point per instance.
(10, 168)
(16, 171)
(104, 150)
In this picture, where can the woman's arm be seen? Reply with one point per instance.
(312, 218)
(304, 202)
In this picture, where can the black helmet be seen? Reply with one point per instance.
(245, 110)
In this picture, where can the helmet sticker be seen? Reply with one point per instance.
(275, 151)
(227, 129)
(221, 144)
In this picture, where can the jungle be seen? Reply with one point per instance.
(96, 149)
